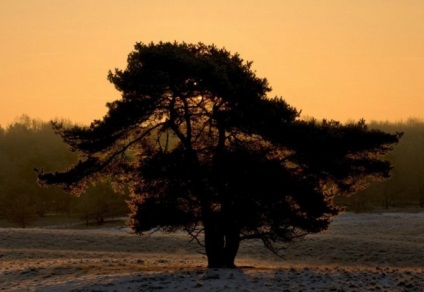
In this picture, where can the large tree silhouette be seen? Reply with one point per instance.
(203, 148)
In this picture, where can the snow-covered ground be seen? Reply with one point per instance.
(359, 252)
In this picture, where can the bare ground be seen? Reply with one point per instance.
(359, 252)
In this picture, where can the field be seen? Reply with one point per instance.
(359, 252)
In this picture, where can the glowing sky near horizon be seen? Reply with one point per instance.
(334, 59)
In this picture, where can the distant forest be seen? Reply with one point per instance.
(30, 143)
(405, 188)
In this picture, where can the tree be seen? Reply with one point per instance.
(21, 207)
(100, 202)
(23, 144)
(202, 147)
(406, 185)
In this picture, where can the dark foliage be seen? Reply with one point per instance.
(204, 148)
(406, 185)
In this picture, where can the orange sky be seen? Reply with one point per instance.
(334, 59)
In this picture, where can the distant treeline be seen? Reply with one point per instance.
(405, 188)
(30, 143)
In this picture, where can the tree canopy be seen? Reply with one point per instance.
(202, 147)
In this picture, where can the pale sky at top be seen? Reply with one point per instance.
(334, 59)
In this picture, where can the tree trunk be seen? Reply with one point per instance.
(222, 242)
(232, 243)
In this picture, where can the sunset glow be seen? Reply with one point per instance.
(334, 59)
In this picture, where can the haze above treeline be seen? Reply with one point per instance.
(20, 118)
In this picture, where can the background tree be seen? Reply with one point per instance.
(20, 208)
(407, 179)
(100, 202)
(29, 142)
(24, 144)
(203, 148)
